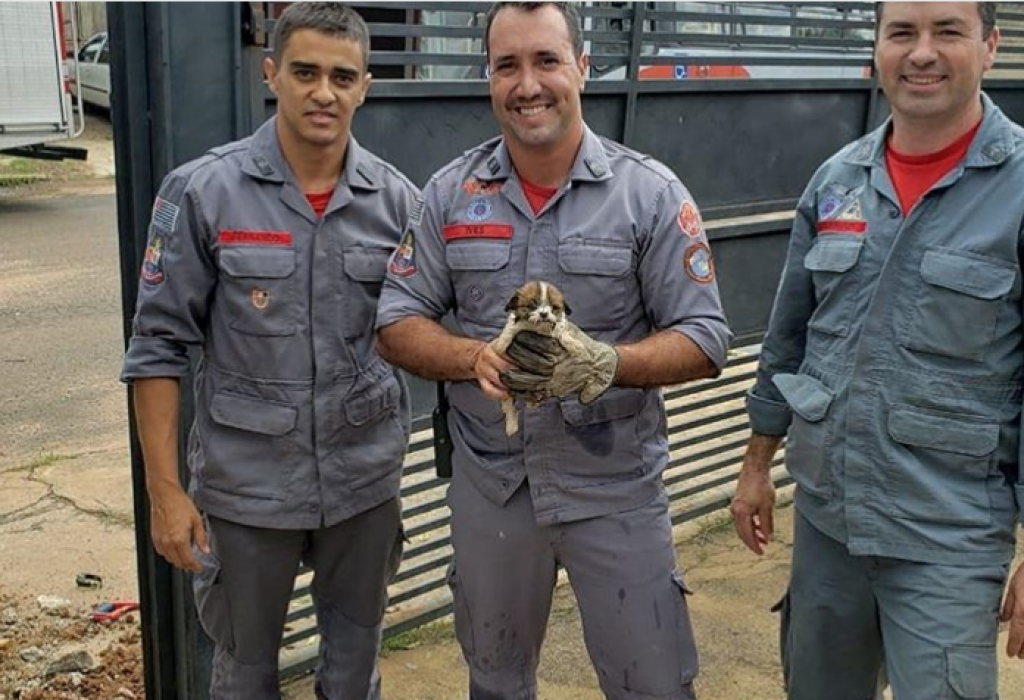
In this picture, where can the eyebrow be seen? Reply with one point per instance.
(941, 23)
(345, 71)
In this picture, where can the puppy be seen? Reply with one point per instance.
(541, 308)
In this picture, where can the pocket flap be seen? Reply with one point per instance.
(380, 399)
(253, 261)
(477, 255)
(366, 264)
(972, 671)
(968, 273)
(616, 404)
(253, 414)
(807, 396)
(588, 257)
(833, 254)
(959, 433)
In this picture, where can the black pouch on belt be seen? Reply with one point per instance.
(442, 438)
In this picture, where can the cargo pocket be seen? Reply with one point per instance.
(831, 261)
(809, 439)
(600, 444)
(783, 608)
(954, 314)
(213, 604)
(480, 275)
(378, 438)
(971, 672)
(689, 662)
(365, 268)
(249, 441)
(957, 449)
(259, 289)
(463, 620)
(595, 279)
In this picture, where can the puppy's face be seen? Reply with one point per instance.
(538, 303)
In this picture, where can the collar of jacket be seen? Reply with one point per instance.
(993, 144)
(265, 161)
(591, 164)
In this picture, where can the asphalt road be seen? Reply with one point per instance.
(60, 327)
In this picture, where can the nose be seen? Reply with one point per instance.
(528, 85)
(322, 94)
(923, 51)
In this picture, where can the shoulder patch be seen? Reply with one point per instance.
(698, 263)
(403, 262)
(152, 272)
(165, 214)
(689, 220)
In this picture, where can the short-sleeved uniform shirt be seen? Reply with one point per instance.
(299, 423)
(623, 240)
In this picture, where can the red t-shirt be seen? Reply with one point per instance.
(320, 201)
(912, 176)
(537, 196)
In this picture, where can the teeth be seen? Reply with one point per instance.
(923, 81)
(531, 111)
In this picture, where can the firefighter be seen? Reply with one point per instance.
(265, 260)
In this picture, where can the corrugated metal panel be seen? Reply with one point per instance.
(31, 85)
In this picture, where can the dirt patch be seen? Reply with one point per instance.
(59, 653)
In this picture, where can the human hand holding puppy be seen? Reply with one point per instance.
(554, 357)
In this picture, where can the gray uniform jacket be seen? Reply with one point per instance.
(623, 240)
(299, 423)
(895, 347)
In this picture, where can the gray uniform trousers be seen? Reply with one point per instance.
(622, 568)
(242, 597)
(937, 623)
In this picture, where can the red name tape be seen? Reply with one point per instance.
(280, 238)
(837, 226)
(457, 231)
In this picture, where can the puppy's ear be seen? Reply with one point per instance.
(565, 305)
(512, 303)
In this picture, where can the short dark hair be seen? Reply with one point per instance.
(567, 10)
(986, 10)
(326, 17)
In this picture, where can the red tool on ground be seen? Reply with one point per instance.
(108, 612)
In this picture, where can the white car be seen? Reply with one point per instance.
(93, 66)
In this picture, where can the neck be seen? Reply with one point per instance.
(316, 168)
(546, 167)
(912, 136)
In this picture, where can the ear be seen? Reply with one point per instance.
(270, 71)
(565, 305)
(512, 303)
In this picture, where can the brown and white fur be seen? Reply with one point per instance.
(541, 308)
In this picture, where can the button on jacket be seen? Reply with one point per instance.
(623, 241)
(894, 354)
(299, 423)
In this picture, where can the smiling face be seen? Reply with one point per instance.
(930, 58)
(320, 83)
(536, 78)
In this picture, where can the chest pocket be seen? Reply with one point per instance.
(832, 262)
(258, 288)
(480, 274)
(595, 280)
(957, 305)
(365, 269)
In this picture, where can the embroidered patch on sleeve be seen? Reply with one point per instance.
(698, 263)
(153, 261)
(403, 262)
(165, 214)
(689, 220)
